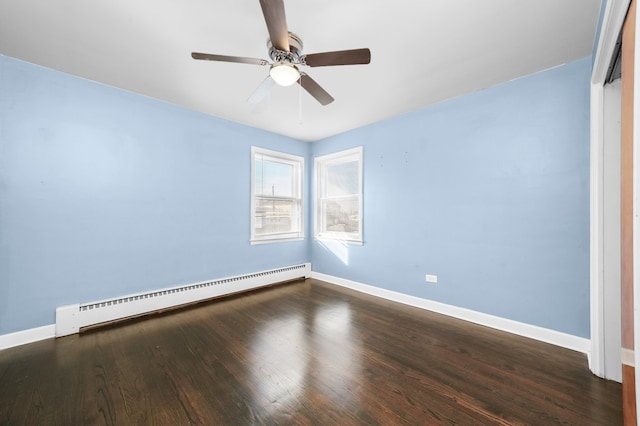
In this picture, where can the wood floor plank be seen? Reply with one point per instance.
(306, 353)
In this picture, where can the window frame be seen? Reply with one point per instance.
(298, 195)
(321, 163)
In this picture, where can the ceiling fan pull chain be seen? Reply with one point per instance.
(299, 103)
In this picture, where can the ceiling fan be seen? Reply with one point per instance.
(285, 51)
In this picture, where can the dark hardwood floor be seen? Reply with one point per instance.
(301, 353)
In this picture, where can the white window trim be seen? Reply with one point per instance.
(336, 158)
(297, 162)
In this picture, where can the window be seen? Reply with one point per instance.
(276, 196)
(338, 189)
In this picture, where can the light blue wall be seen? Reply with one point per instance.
(105, 193)
(490, 192)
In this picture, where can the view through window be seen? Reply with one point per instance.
(276, 199)
(338, 186)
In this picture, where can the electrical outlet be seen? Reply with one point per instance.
(431, 278)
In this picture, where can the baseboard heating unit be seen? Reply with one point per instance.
(71, 319)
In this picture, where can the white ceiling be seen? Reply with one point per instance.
(422, 52)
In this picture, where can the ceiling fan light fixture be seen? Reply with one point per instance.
(284, 74)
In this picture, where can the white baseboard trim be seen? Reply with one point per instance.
(579, 344)
(628, 357)
(27, 336)
(70, 318)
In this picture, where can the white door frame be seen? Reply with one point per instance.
(612, 22)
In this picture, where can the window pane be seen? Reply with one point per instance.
(342, 179)
(341, 215)
(275, 216)
(339, 196)
(276, 197)
(273, 179)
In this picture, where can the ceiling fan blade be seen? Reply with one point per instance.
(339, 57)
(262, 90)
(274, 16)
(224, 58)
(314, 89)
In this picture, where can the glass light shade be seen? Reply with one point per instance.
(284, 74)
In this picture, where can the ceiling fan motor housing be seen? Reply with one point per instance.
(294, 56)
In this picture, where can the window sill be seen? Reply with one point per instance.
(339, 240)
(276, 240)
